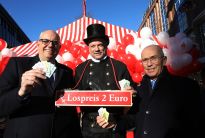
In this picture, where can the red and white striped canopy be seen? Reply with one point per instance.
(74, 32)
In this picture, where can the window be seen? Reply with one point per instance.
(164, 18)
(153, 25)
(182, 19)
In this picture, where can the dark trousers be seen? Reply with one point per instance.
(1, 133)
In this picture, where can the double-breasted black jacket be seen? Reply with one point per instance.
(170, 110)
(35, 115)
(103, 75)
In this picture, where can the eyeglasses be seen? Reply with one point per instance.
(152, 59)
(47, 42)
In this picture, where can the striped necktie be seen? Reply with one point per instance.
(152, 83)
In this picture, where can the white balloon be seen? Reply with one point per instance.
(147, 42)
(134, 34)
(180, 61)
(186, 59)
(179, 36)
(186, 44)
(173, 46)
(138, 42)
(175, 63)
(134, 50)
(6, 52)
(167, 54)
(59, 59)
(138, 54)
(163, 37)
(146, 33)
(130, 49)
(112, 44)
(68, 56)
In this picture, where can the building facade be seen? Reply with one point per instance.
(175, 16)
(10, 31)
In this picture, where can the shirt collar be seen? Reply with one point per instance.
(96, 60)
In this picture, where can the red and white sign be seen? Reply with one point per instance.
(95, 98)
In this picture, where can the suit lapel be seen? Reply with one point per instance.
(58, 75)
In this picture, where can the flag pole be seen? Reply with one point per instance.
(84, 8)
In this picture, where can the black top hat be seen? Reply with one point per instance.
(96, 31)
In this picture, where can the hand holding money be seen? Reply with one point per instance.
(124, 84)
(103, 113)
(31, 78)
(47, 67)
(103, 119)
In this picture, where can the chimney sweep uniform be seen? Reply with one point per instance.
(103, 74)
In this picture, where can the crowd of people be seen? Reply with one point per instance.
(165, 106)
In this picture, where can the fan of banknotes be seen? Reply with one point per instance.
(124, 84)
(47, 67)
(104, 113)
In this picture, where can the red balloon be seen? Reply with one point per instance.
(128, 39)
(84, 52)
(77, 61)
(3, 63)
(131, 71)
(130, 61)
(70, 64)
(136, 77)
(121, 58)
(139, 67)
(121, 49)
(63, 49)
(67, 43)
(112, 53)
(3, 44)
(75, 50)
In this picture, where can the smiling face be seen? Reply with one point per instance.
(48, 45)
(97, 49)
(153, 61)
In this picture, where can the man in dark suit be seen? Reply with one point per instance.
(27, 96)
(166, 106)
(99, 73)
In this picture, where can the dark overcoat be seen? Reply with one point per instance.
(170, 110)
(35, 115)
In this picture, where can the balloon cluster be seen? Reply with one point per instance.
(182, 53)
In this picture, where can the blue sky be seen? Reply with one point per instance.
(34, 16)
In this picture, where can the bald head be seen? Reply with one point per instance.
(50, 32)
(153, 60)
(48, 45)
(154, 48)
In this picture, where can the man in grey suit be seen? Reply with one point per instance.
(27, 95)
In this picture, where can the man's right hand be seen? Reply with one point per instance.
(30, 79)
(104, 123)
